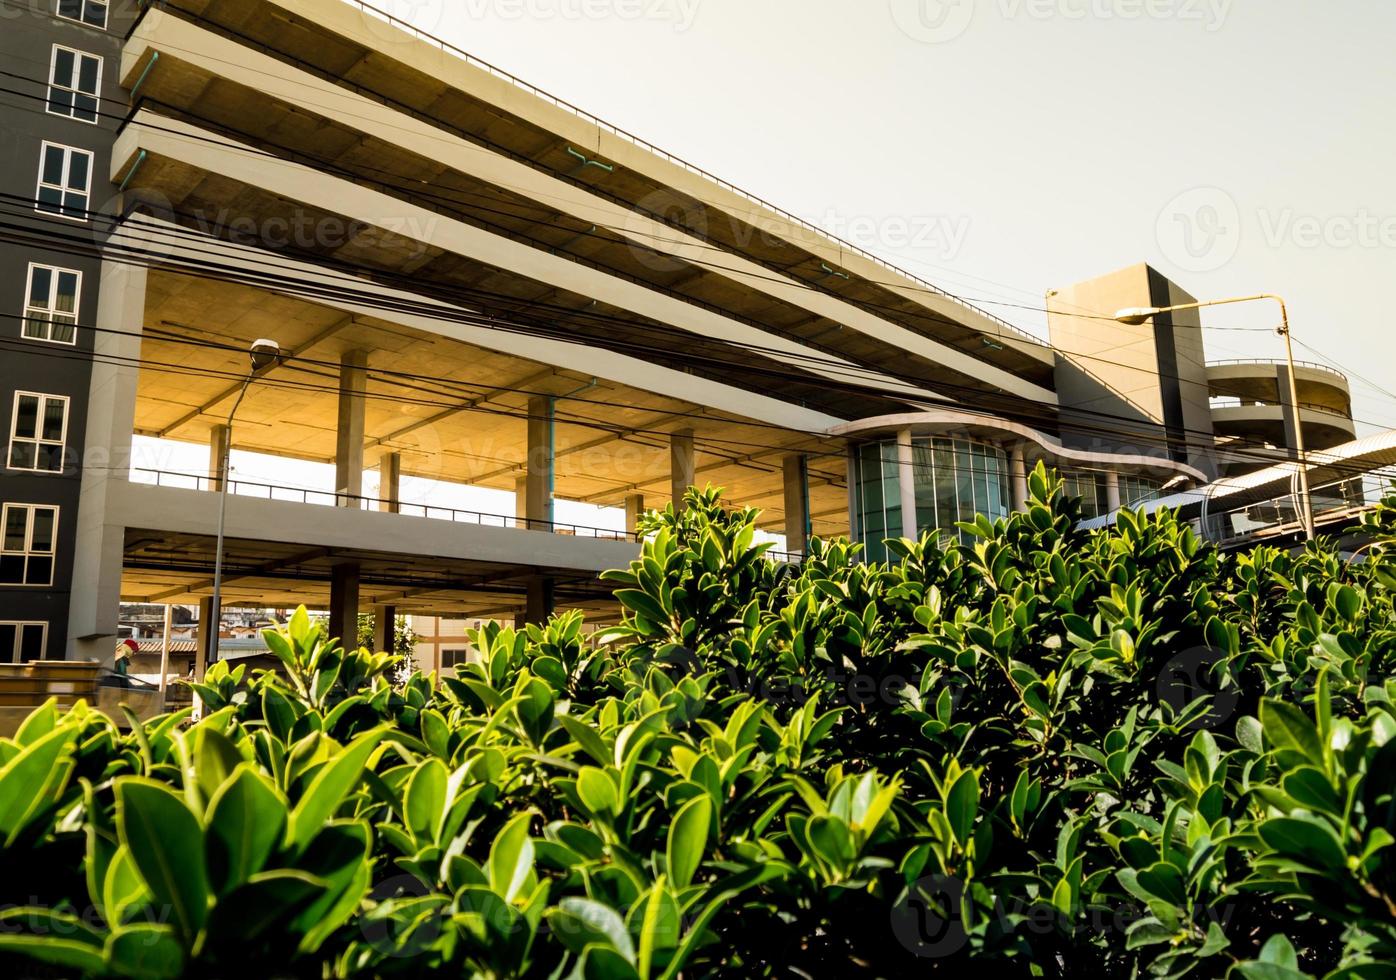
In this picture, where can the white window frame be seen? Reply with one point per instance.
(38, 441)
(68, 153)
(81, 18)
(28, 552)
(46, 314)
(19, 625)
(73, 90)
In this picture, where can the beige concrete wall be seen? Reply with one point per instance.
(1104, 366)
(1131, 388)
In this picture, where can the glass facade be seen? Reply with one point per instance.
(955, 479)
(1095, 501)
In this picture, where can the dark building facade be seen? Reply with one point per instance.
(61, 106)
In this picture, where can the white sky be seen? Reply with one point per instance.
(1001, 148)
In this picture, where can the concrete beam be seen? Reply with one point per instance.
(199, 148)
(319, 96)
(166, 242)
(232, 390)
(465, 406)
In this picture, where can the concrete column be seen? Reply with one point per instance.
(1017, 477)
(539, 604)
(854, 508)
(1112, 491)
(349, 435)
(538, 483)
(521, 500)
(165, 649)
(795, 469)
(390, 483)
(384, 629)
(906, 480)
(217, 449)
(99, 543)
(205, 635)
(682, 465)
(344, 604)
(634, 507)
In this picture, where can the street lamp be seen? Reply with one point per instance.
(1135, 316)
(263, 355)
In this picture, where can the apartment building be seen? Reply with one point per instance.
(472, 283)
(61, 86)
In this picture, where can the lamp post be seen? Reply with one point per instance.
(263, 354)
(1136, 316)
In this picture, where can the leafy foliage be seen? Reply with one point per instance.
(1051, 752)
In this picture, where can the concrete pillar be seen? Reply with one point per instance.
(682, 465)
(634, 507)
(165, 649)
(1018, 477)
(218, 448)
(539, 603)
(384, 629)
(854, 507)
(390, 483)
(521, 500)
(344, 604)
(538, 483)
(349, 434)
(99, 543)
(1112, 491)
(906, 480)
(205, 636)
(795, 469)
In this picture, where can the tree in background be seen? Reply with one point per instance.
(404, 639)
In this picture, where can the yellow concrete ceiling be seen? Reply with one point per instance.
(455, 412)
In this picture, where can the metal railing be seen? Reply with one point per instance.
(1232, 401)
(644, 144)
(1337, 502)
(1258, 361)
(330, 498)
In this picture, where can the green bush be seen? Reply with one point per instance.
(1049, 752)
